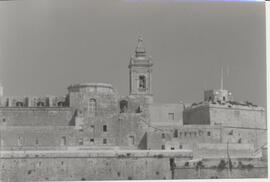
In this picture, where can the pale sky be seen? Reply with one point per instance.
(47, 45)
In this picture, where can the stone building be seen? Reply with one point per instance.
(94, 116)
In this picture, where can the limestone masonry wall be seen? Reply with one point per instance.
(85, 165)
(35, 116)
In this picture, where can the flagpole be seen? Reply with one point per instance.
(228, 158)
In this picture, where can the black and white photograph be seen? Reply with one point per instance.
(98, 90)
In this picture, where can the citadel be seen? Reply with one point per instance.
(93, 133)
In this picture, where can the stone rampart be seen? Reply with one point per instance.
(87, 165)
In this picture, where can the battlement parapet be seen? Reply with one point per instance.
(228, 105)
(33, 101)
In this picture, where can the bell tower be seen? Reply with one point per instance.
(140, 72)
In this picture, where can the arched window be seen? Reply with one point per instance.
(40, 104)
(142, 82)
(60, 104)
(19, 104)
(123, 106)
(92, 106)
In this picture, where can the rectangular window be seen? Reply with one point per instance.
(163, 135)
(208, 133)
(104, 141)
(172, 148)
(180, 146)
(142, 82)
(175, 133)
(92, 140)
(80, 141)
(163, 147)
(92, 128)
(131, 140)
(171, 116)
(63, 141)
(19, 141)
(104, 128)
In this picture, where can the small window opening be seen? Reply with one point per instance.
(163, 135)
(163, 147)
(208, 133)
(92, 127)
(131, 140)
(180, 146)
(92, 106)
(171, 116)
(123, 106)
(104, 128)
(60, 104)
(63, 141)
(175, 133)
(240, 140)
(80, 141)
(19, 104)
(40, 104)
(142, 82)
(104, 141)
(19, 141)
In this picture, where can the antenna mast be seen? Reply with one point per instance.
(221, 79)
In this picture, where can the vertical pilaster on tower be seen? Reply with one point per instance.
(140, 72)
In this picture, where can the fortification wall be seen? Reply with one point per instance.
(131, 130)
(238, 116)
(182, 137)
(225, 115)
(86, 165)
(207, 168)
(53, 137)
(242, 141)
(35, 116)
(257, 137)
